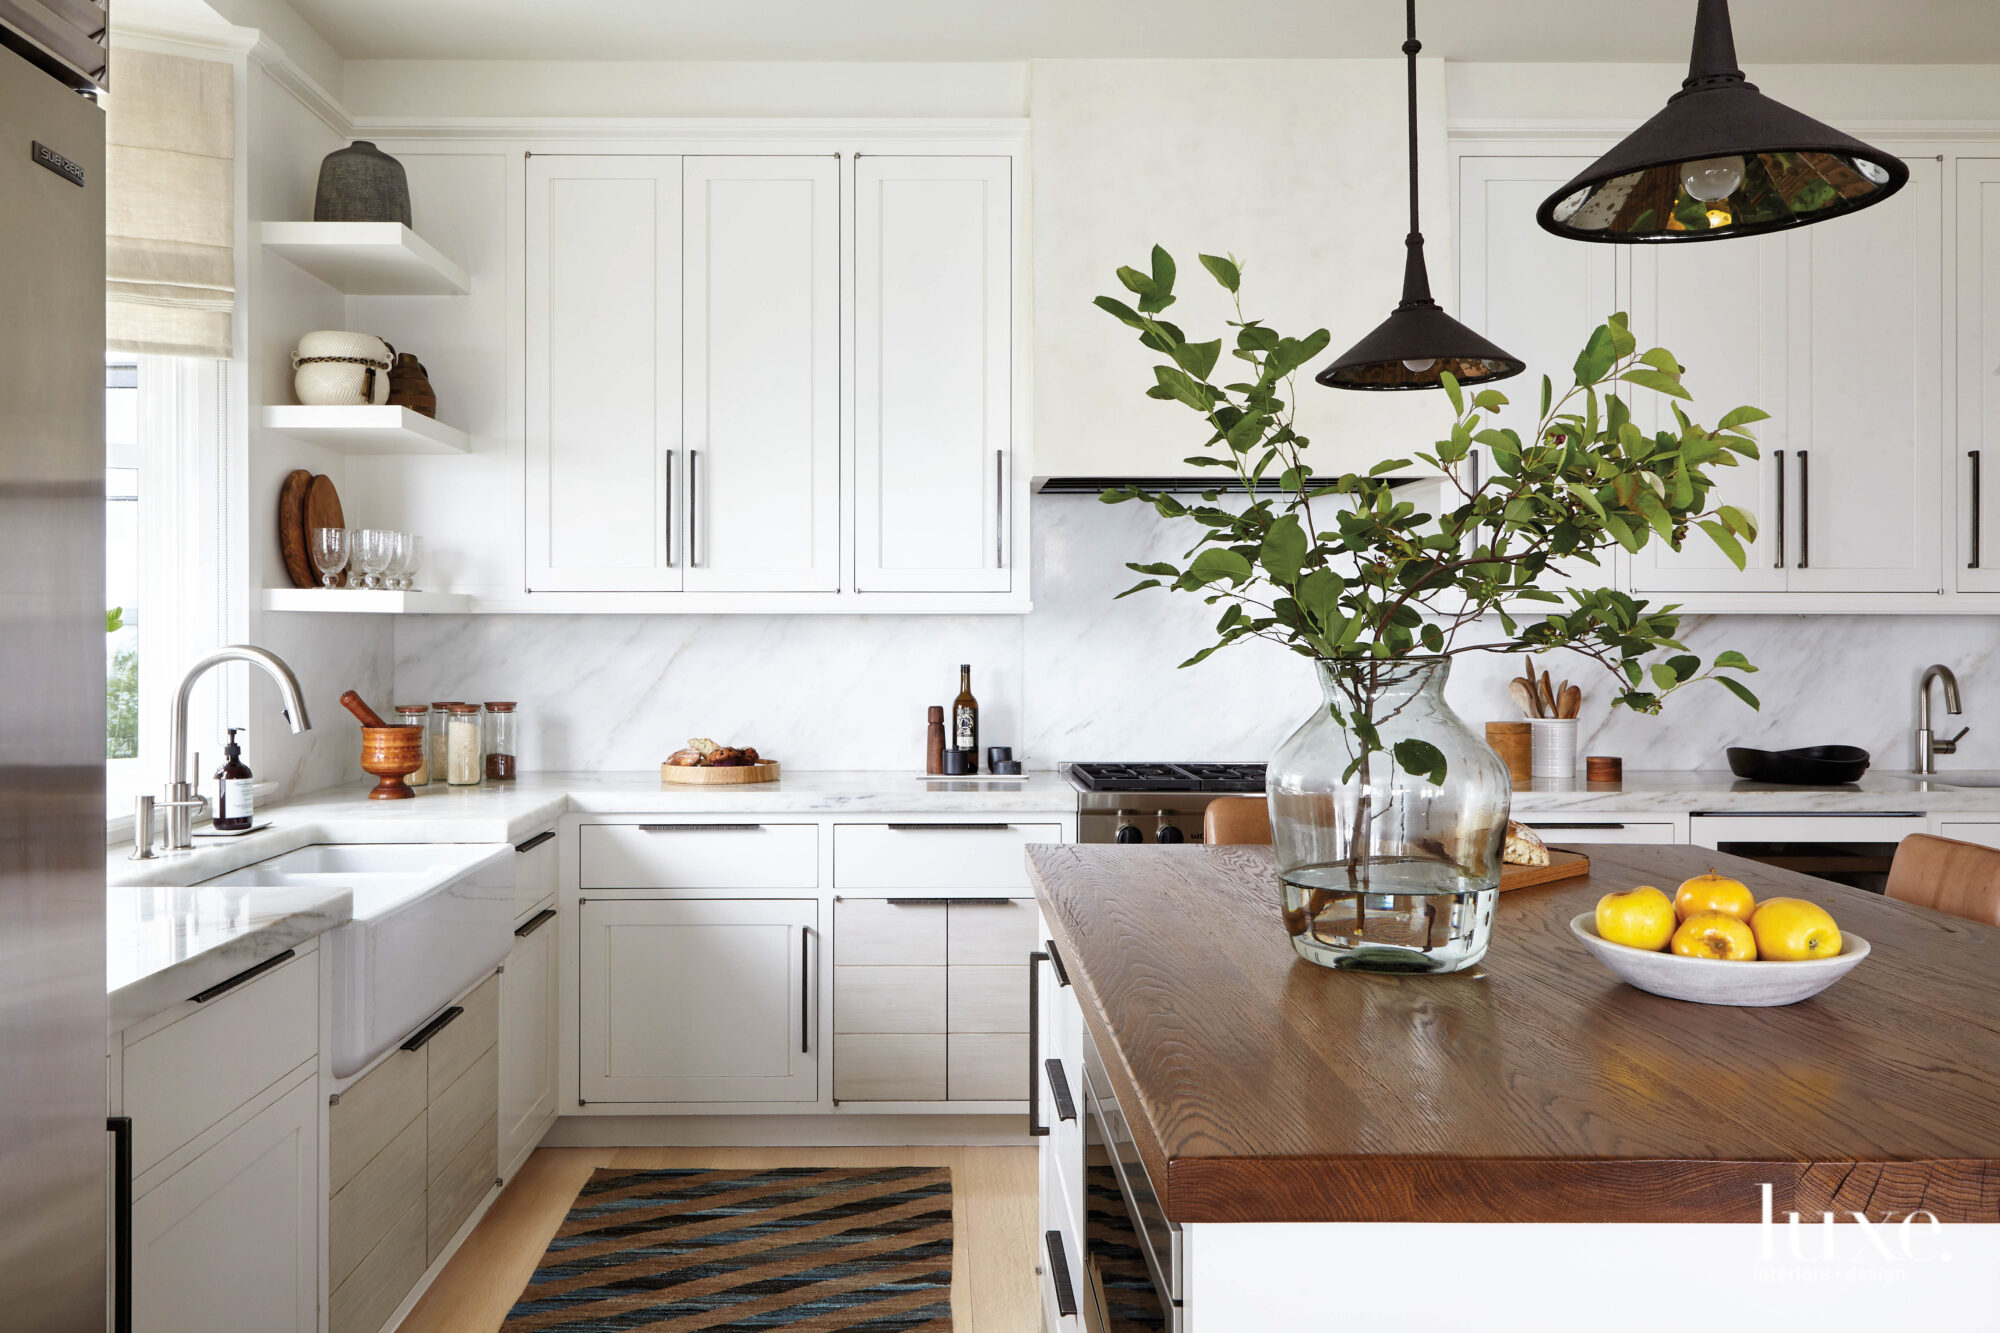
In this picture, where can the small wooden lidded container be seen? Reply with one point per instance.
(1512, 742)
(391, 754)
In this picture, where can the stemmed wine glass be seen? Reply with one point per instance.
(399, 558)
(372, 550)
(330, 550)
(413, 549)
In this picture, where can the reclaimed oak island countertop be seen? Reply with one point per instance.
(1536, 1087)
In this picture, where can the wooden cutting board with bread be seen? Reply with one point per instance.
(1528, 861)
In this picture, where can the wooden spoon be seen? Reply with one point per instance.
(1548, 695)
(1571, 703)
(1523, 697)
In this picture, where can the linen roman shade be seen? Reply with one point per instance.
(170, 205)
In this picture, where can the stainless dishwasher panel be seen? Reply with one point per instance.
(1159, 1239)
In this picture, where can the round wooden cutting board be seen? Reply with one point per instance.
(292, 528)
(323, 510)
(763, 771)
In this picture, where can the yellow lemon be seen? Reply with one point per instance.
(1642, 918)
(1791, 930)
(1715, 935)
(1711, 892)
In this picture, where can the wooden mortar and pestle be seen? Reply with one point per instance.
(388, 754)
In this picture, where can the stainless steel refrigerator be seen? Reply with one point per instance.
(54, 1148)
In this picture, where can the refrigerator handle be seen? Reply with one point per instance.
(120, 1127)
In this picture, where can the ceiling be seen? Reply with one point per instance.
(1792, 31)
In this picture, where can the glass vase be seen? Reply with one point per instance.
(1385, 869)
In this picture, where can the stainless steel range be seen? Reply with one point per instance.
(1160, 803)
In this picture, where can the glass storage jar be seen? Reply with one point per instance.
(417, 715)
(502, 735)
(437, 743)
(464, 762)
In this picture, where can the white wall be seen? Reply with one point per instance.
(513, 89)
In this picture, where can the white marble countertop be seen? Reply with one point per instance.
(165, 944)
(168, 941)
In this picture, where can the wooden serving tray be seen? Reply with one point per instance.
(1562, 865)
(763, 771)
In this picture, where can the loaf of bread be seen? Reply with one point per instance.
(1524, 847)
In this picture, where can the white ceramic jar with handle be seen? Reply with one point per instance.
(335, 368)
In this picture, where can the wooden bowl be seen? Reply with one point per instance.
(765, 770)
(391, 754)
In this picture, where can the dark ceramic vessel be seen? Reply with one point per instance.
(361, 183)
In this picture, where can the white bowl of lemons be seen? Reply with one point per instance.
(1714, 943)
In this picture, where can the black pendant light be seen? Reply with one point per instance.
(1418, 342)
(1722, 160)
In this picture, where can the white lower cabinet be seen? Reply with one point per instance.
(1058, 1112)
(528, 1038)
(222, 1093)
(698, 1000)
(1985, 833)
(231, 1240)
(1559, 828)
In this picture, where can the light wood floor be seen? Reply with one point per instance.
(992, 1212)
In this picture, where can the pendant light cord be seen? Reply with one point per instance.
(1410, 48)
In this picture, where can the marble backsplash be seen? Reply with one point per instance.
(1086, 677)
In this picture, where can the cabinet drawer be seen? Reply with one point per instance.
(1986, 835)
(935, 856)
(988, 1067)
(889, 1068)
(196, 1070)
(379, 1282)
(888, 999)
(372, 1111)
(1560, 830)
(993, 933)
(457, 1190)
(534, 871)
(987, 999)
(458, 1046)
(370, 1204)
(462, 1108)
(881, 932)
(700, 856)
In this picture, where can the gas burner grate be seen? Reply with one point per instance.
(1168, 777)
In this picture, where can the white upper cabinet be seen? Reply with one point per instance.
(1721, 308)
(603, 373)
(933, 363)
(1867, 396)
(1977, 454)
(761, 380)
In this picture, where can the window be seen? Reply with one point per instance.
(121, 560)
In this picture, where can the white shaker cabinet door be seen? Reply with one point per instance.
(1722, 310)
(603, 373)
(761, 379)
(231, 1240)
(1977, 457)
(1866, 399)
(933, 342)
(1535, 295)
(699, 1000)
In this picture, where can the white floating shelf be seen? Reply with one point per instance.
(370, 601)
(367, 258)
(368, 430)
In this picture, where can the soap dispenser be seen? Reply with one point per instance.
(232, 798)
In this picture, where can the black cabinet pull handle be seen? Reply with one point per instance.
(999, 506)
(805, 988)
(536, 841)
(1059, 1089)
(120, 1127)
(247, 974)
(1036, 1129)
(534, 923)
(1059, 1272)
(1972, 456)
(699, 828)
(935, 828)
(1056, 962)
(667, 510)
(694, 506)
(1779, 563)
(422, 1035)
(917, 902)
(1805, 512)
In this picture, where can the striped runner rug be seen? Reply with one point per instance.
(864, 1250)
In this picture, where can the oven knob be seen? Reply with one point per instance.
(1168, 833)
(1127, 830)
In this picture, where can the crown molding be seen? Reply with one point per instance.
(576, 129)
(1482, 129)
(287, 74)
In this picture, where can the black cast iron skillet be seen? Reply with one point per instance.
(1813, 766)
